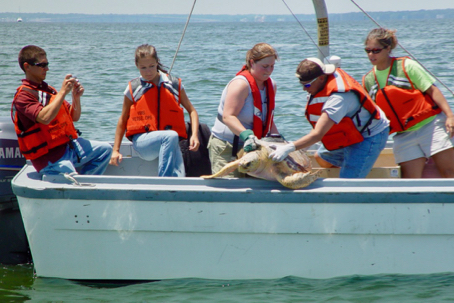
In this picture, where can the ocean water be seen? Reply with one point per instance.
(101, 55)
(19, 285)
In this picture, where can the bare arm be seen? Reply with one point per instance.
(436, 95)
(194, 117)
(237, 93)
(116, 157)
(76, 106)
(323, 125)
(49, 112)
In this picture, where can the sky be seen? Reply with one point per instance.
(231, 7)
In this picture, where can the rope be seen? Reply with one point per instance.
(407, 51)
(310, 38)
(181, 39)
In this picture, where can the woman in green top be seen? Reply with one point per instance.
(417, 109)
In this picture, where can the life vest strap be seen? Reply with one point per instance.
(34, 149)
(27, 133)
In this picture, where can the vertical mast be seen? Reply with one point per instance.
(321, 14)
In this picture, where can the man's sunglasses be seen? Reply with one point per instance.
(42, 64)
(307, 84)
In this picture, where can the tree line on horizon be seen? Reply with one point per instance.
(147, 18)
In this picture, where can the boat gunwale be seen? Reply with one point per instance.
(26, 184)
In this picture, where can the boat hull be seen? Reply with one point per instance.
(148, 228)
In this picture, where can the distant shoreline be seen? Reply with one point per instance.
(177, 18)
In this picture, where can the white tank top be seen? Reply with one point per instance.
(246, 115)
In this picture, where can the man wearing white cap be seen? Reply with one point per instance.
(352, 128)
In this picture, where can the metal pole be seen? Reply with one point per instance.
(321, 14)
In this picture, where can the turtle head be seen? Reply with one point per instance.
(249, 162)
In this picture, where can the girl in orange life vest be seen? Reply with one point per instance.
(246, 108)
(152, 118)
(351, 127)
(429, 132)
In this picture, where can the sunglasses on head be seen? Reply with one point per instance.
(307, 84)
(42, 64)
(374, 50)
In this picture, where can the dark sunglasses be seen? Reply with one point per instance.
(374, 50)
(307, 84)
(42, 64)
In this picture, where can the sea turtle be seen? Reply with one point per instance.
(293, 172)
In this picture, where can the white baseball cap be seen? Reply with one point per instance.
(327, 69)
(307, 73)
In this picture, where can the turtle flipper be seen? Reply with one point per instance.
(227, 169)
(298, 180)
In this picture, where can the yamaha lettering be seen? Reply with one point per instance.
(10, 156)
(10, 153)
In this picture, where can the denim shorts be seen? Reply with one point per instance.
(356, 161)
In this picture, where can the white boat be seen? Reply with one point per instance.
(131, 225)
(19, 19)
(124, 227)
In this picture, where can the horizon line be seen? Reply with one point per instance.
(206, 14)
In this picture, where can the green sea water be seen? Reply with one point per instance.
(19, 285)
(101, 55)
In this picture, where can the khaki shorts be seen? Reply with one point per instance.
(425, 142)
(221, 154)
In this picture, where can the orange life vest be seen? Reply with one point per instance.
(344, 133)
(158, 108)
(403, 104)
(258, 127)
(40, 138)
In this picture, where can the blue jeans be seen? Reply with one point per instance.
(87, 158)
(356, 161)
(165, 145)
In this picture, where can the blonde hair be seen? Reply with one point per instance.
(385, 37)
(260, 51)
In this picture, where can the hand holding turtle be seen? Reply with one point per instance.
(282, 151)
(249, 139)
